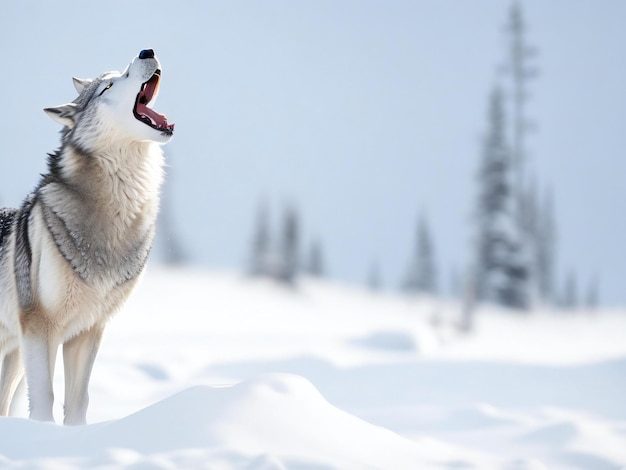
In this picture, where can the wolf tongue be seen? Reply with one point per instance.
(157, 119)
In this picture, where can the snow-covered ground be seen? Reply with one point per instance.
(213, 370)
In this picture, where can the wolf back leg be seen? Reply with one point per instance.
(79, 354)
(12, 373)
(39, 355)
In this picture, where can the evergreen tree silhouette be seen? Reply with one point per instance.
(289, 256)
(421, 278)
(500, 275)
(260, 253)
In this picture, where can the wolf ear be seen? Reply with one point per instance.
(81, 83)
(63, 114)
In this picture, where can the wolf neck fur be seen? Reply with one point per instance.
(115, 192)
(130, 172)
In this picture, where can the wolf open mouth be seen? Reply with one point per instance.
(147, 115)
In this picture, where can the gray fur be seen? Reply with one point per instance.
(23, 255)
(87, 250)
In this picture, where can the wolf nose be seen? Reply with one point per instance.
(146, 54)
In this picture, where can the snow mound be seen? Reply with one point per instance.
(556, 434)
(388, 340)
(272, 422)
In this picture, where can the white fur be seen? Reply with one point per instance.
(39, 359)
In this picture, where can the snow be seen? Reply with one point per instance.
(215, 370)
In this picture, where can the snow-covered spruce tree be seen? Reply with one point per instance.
(528, 231)
(260, 253)
(499, 273)
(422, 276)
(545, 251)
(289, 249)
(521, 71)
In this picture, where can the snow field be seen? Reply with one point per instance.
(214, 370)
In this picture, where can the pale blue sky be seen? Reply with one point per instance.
(360, 112)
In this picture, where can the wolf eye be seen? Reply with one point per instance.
(106, 88)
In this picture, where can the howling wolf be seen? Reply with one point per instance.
(73, 252)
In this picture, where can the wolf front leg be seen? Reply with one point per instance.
(79, 354)
(39, 353)
(12, 373)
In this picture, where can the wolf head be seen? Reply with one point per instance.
(115, 106)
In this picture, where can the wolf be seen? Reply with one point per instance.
(71, 255)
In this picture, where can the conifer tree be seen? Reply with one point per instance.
(426, 271)
(261, 244)
(528, 234)
(421, 278)
(500, 275)
(520, 71)
(289, 263)
(545, 254)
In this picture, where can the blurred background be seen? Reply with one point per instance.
(468, 149)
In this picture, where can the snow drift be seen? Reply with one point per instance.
(230, 373)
